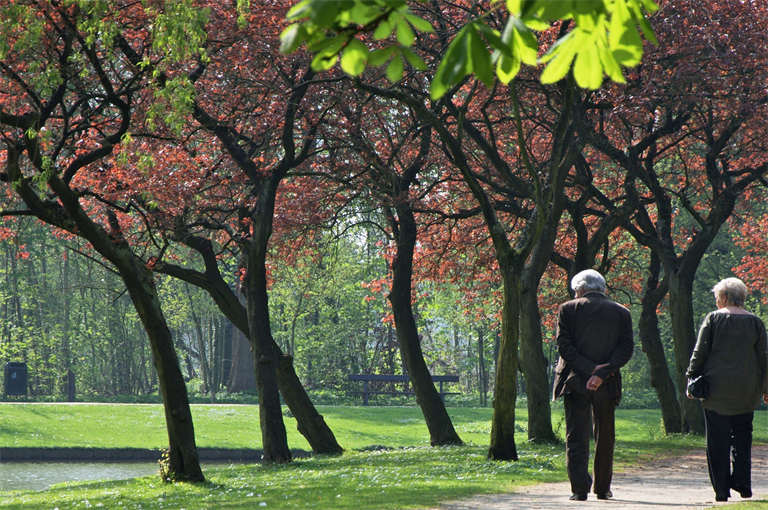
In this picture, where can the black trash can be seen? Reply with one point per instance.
(15, 378)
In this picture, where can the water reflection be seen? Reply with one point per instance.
(41, 475)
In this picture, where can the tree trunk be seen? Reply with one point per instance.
(650, 338)
(681, 314)
(274, 438)
(534, 368)
(505, 393)
(438, 422)
(183, 459)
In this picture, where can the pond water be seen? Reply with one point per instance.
(40, 475)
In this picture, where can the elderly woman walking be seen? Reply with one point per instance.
(731, 353)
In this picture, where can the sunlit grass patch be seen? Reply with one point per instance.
(416, 477)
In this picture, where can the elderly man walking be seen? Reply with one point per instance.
(594, 340)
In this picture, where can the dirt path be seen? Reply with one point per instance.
(671, 484)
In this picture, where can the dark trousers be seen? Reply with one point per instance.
(729, 438)
(578, 407)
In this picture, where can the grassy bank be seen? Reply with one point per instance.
(396, 470)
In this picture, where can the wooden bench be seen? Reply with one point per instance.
(366, 378)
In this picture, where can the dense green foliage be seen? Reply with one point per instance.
(62, 310)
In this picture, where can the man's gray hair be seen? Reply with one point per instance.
(588, 280)
(731, 289)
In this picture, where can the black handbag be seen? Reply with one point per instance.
(698, 387)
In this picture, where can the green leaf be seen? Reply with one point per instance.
(493, 37)
(301, 10)
(323, 61)
(328, 44)
(587, 69)
(360, 14)
(536, 24)
(525, 43)
(324, 13)
(405, 35)
(353, 58)
(647, 29)
(532, 7)
(591, 21)
(455, 65)
(560, 56)
(514, 7)
(419, 23)
(610, 65)
(507, 68)
(395, 70)
(624, 39)
(415, 60)
(481, 60)
(550, 10)
(378, 57)
(385, 28)
(649, 5)
(291, 38)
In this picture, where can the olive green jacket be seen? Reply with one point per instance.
(731, 351)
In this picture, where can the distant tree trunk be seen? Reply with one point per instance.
(483, 373)
(71, 392)
(391, 347)
(242, 375)
(65, 349)
(650, 338)
(201, 347)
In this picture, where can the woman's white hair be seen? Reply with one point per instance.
(731, 289)
(588, 280)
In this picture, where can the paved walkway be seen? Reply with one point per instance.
(672, 484)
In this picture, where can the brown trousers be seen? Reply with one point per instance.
(579, 405)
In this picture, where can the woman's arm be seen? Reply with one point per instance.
(701, 351)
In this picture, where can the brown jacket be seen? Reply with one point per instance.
(592, 330)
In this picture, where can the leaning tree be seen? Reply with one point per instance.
(69, 95)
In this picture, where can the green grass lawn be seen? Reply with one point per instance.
(220, 426)
(406, 473)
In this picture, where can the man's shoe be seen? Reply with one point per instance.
(605, 495)
(578, 497)
(743, 492)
